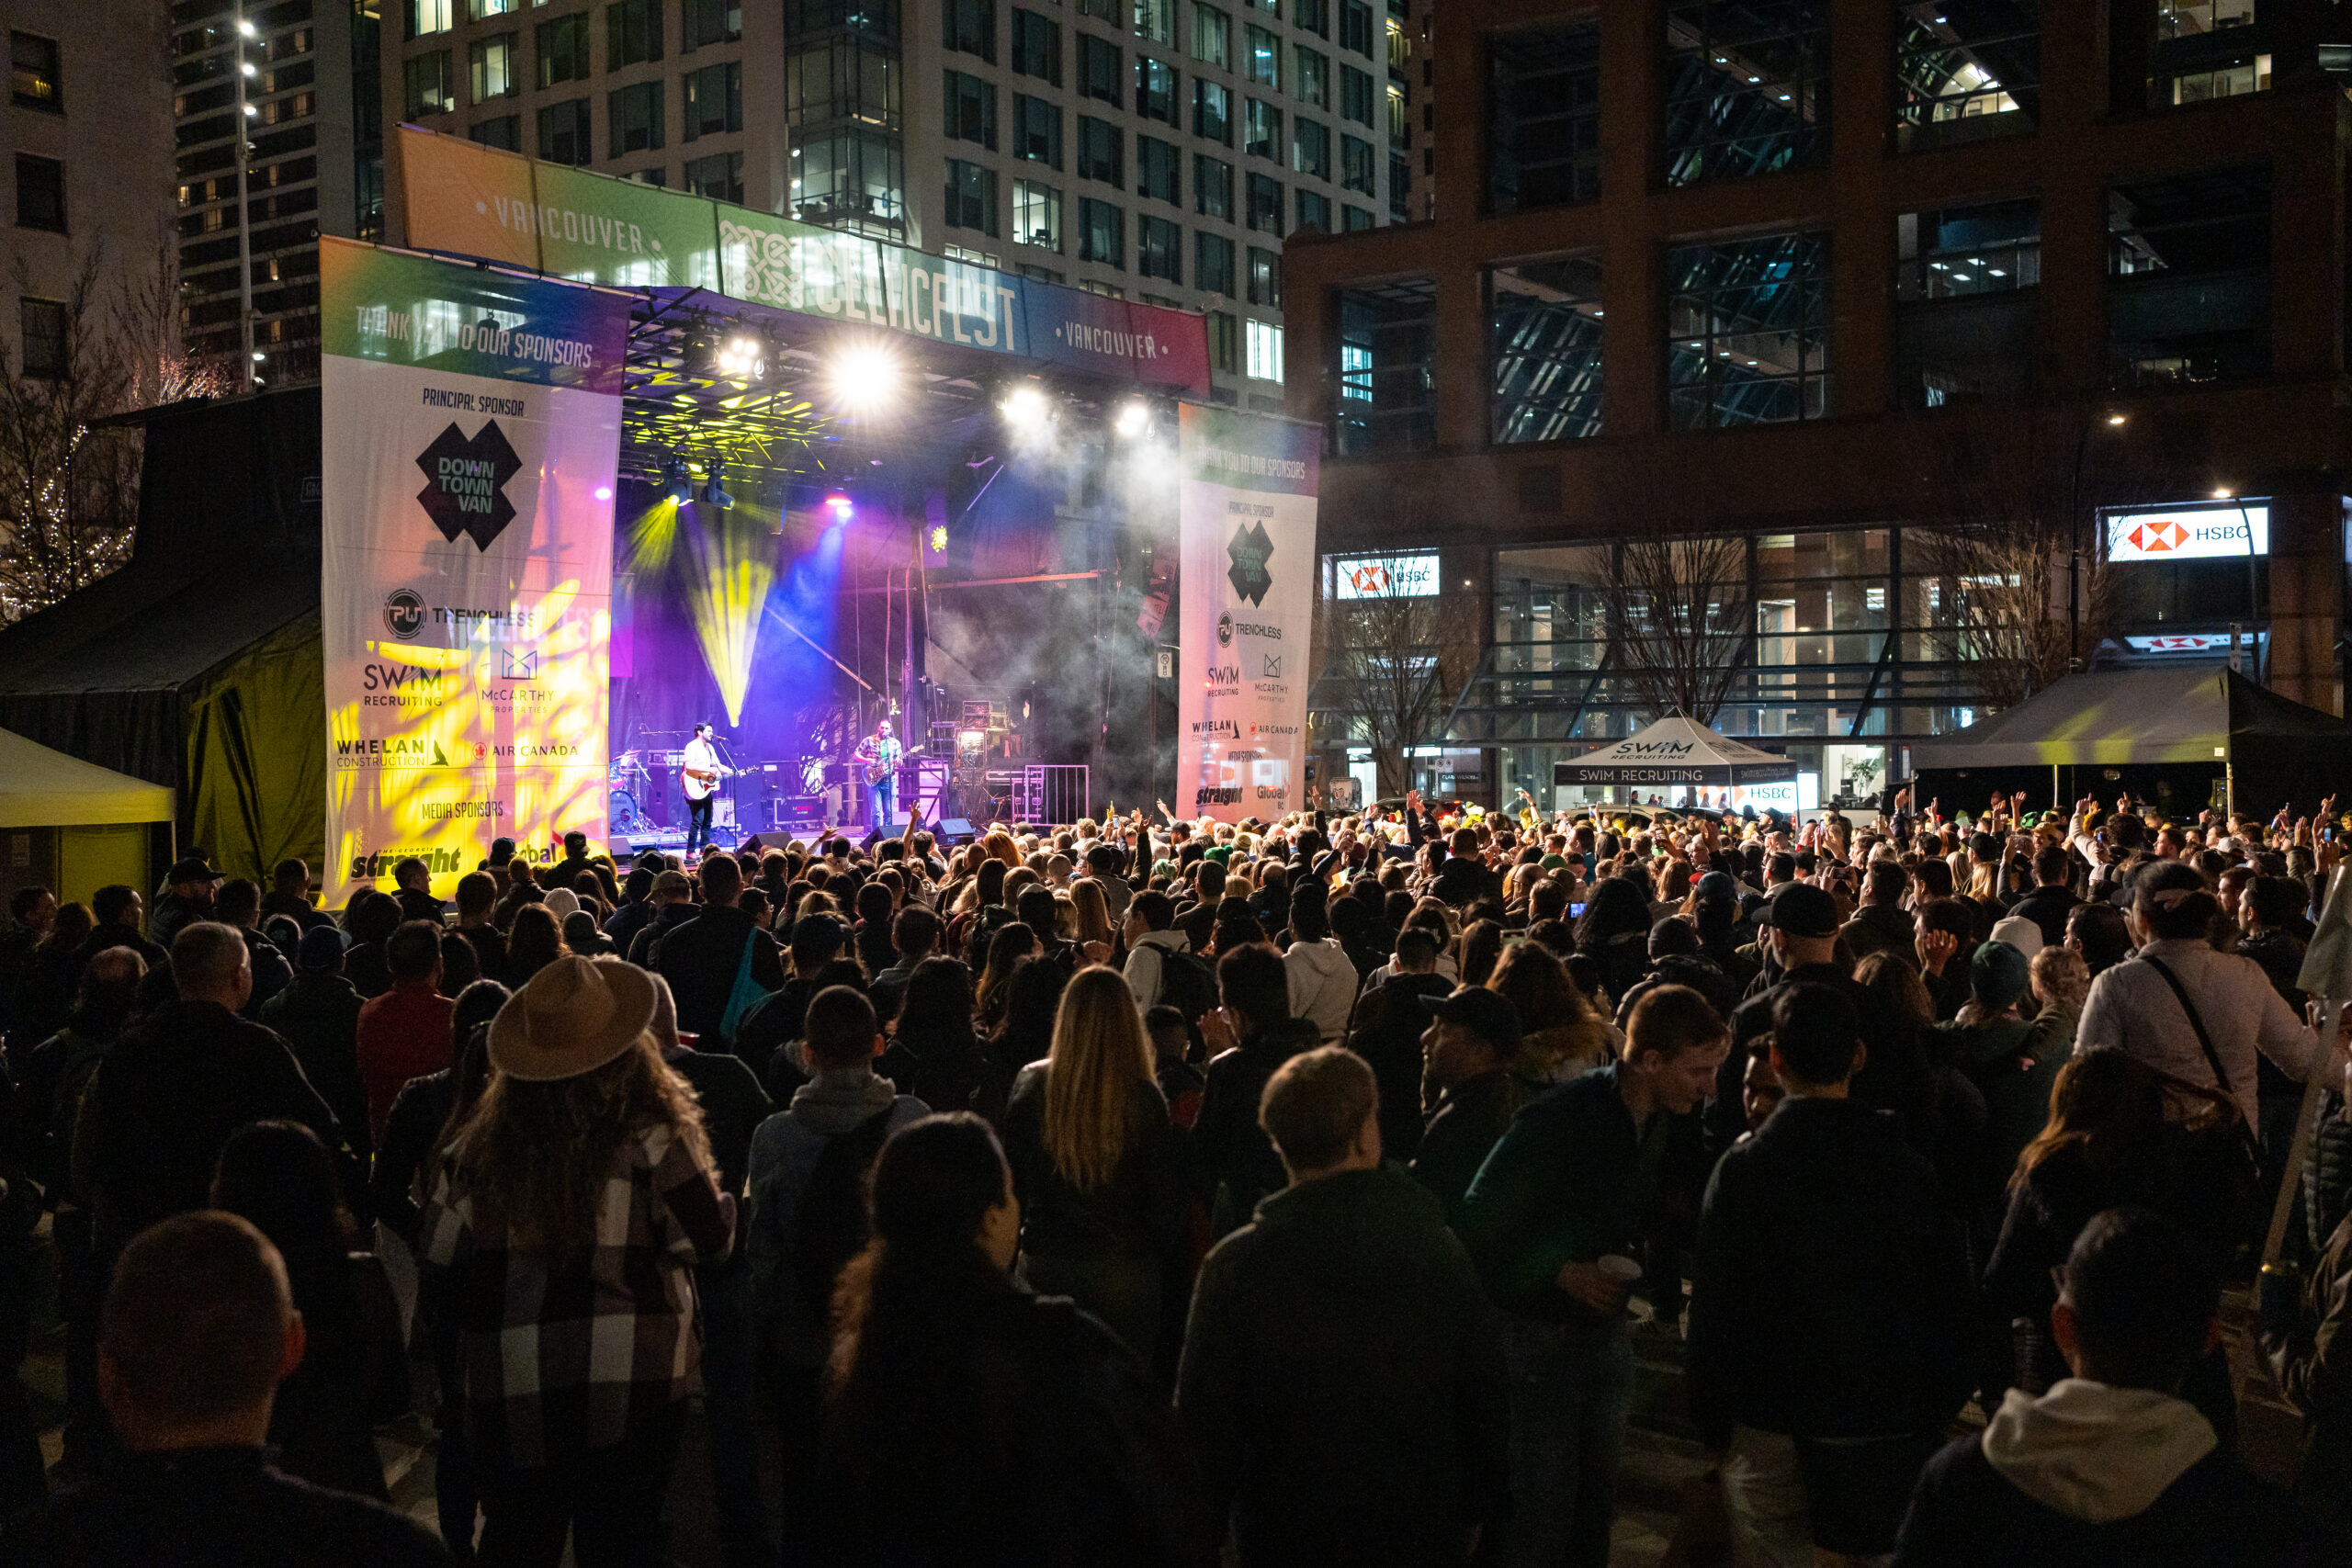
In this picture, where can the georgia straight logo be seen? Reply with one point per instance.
(1249, 551)
(465, 488)
(404, 615)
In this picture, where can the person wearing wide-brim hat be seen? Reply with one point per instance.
(560, 1241)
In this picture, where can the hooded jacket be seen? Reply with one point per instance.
(785, 1152)
(1322, 987)
(2090, 1475)
(1343, 1382)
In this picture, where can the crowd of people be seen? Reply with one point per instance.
(1148, 1191)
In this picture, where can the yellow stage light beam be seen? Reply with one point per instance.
(730, 566)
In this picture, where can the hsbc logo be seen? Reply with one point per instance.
(2202, 534)
(1369, 578)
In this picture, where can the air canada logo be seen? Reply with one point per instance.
(1225, 631)
(404, 615)
(465, 484)
(1249, 551)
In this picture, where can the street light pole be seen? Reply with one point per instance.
(2074, 544)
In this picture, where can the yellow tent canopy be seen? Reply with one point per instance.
(42, 788)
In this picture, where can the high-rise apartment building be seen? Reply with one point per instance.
(84, 180)
(280, 137)
(1155, 150)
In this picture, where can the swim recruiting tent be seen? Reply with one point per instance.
(1676, 751)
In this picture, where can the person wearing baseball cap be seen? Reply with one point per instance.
(186, 898)
(1466, 1053)
(1796, 930)
(581, 1114)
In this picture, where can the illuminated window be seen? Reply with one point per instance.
(1264, 342)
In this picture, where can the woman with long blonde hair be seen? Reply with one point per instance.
(1095, 1162)
(1093, 921)
(576, 1197)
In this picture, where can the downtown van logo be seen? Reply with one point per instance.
(1249, 551)
(465, 489)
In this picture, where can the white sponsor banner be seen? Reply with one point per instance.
(2196, 534)
(1248, 596)
(470, 431)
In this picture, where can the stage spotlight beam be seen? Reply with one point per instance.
(1133, 420)
(1027, 410)
(866, 377)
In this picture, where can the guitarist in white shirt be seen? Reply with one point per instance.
(699, 770)
(878, 756)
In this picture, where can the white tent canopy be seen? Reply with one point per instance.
(42, 788)
(1676, 751)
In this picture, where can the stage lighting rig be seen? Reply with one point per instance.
(743, 357)
(676, 483)
(714, 490)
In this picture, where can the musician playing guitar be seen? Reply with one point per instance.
(878, 756)
(699, 770)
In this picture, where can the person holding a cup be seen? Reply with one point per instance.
(1550, 1219)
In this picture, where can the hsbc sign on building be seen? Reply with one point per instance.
(2202, 534)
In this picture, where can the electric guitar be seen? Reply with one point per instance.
(698, 782)
(871, 769)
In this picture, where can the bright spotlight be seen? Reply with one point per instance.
(939, 538)
(2115, 419)
(248, 29)
(676, 482)
(864, 378)
(1026, 409)
(840, 506)
(2221, 495)
(1132, 419)
(740, 359)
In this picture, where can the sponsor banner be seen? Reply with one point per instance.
(595, 228)
(2198, 534)
(1247, 598)
(467, 571)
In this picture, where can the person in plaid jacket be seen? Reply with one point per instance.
(560, 1241)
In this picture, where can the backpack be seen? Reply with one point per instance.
(830, 1227)
(1186, 985)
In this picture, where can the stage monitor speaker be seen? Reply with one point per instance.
(955, 829)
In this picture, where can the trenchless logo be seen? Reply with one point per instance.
(465, 488)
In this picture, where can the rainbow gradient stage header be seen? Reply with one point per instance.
(471, 200)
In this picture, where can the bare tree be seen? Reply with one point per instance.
(2009, 552)
(1682, 621)
(69, 481)
(1382, 669)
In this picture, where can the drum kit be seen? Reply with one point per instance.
(632, 784)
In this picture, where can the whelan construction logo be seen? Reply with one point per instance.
(465, 488)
